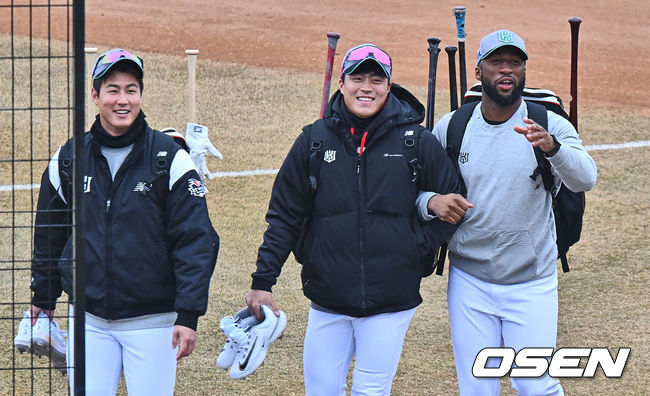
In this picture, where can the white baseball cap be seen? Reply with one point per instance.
(498, 39)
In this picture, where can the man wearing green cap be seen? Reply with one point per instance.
(502, 289)
(149, 247)
(347, 189)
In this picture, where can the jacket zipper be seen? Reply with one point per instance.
(107, 254)
(360, 225)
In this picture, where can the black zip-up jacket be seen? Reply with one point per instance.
(144, 254)
(363, 242)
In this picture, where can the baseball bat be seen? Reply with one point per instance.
(573, 106)
(459, 13)
(332, 41)
(453, 92)
(434, 49)
(191, 84)
(90, 105)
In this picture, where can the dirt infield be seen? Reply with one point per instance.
(291, 34)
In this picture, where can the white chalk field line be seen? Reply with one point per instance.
(257, 172)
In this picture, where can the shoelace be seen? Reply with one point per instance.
(232, 330)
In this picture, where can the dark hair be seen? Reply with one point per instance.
(365, 68)
(125, 67)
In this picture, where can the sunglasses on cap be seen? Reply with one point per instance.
(359, 54)
(109, 58)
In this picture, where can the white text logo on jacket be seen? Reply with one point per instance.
(87, 180)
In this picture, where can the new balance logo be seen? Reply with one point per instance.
(141, 187)
(330, 156)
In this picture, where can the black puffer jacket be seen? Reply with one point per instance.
(362, 253)
(143, 253)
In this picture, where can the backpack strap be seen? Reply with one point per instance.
(160, 148)
(411, 139)
(537, 113)
(317, 142)
(66, 171)
(455, 134)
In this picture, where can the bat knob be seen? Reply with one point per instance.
(575, 19)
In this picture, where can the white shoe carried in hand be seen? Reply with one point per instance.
(234, 334)
(253, 346)
(45, 338)
(23, 340)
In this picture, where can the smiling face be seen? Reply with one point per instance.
(503, 76)
(365, 91)
(119, 99)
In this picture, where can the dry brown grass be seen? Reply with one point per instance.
(254, 115)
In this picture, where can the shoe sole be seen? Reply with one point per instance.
(42, 348)
(22, 347)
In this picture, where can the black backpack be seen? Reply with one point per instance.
(159, 146)
(568, 206)
(409, 149)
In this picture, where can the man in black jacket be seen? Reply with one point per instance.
(361, 246)
(149, 247)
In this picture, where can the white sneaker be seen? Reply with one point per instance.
(229, 325)
(253, 349)
(48, 340)
(23, 340)
(45, 338)
(235, 330)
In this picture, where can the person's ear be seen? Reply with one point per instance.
(477, 73)
(94, 94)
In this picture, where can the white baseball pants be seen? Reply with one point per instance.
(332, 340)
(483, 314)
(146, 356)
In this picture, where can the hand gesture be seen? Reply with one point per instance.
(536, 135)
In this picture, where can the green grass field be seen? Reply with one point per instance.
(254, 115)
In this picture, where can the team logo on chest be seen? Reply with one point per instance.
(329, 156)
(463, 157)
(87, 181)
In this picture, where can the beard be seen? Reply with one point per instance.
(503, 100)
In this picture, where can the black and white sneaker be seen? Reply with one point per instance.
(234, 335)
(253, 348)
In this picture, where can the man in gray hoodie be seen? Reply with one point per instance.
(502, 287)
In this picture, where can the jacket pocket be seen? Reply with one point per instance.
(508, 251)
